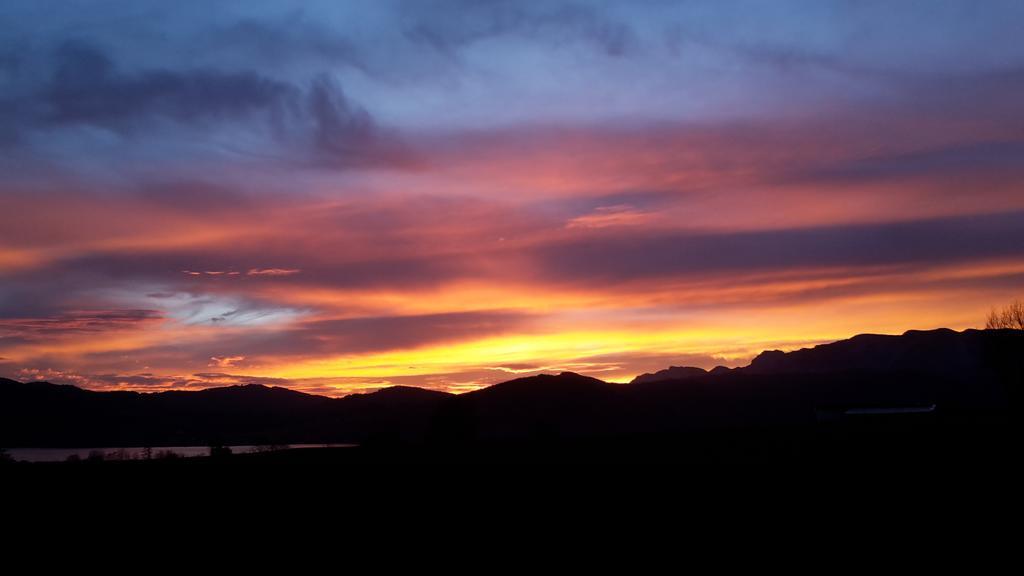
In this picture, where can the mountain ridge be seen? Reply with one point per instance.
(966, 374)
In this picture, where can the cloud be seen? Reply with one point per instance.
(290, 39)
(149, 382)
(248, 114)
(627, 258)
(251, 272)
(344, 134)
(226, 310)
(226, 361)
(78, 322)
(549, 22)
(609, 216)
(206, 379)
(272, 271)
(87, 88)
(312, 337)
(972, 159)
(186, 347)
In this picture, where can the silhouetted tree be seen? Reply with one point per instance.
(1012, 317)
(5, 456)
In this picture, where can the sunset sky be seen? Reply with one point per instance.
(340, 196)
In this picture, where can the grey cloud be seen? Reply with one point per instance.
(76, 322)
(281, 40)
(291, 122)
(371, 334)
(192, 195)
(101, 269)
(339, 125)
(988, 157)
(552, 22)
(87, 88)
(609, 258)
(344, 133)
(31, 296)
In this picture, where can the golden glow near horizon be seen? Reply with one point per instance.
(610, 336)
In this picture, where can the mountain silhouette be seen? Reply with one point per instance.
(672, 373)
(953, 380)
(44, 414)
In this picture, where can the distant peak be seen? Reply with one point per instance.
(767, 359)
(935, 331)
(671, 373)
(942, 351)
(397, 394)
(561, 381)
(404, 390)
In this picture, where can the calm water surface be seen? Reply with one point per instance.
(135, 452)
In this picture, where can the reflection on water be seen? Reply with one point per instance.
(139, 453)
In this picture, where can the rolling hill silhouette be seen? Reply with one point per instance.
(941, 378)
(675, 373)
(44, 414)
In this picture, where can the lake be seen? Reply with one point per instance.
(137, 452)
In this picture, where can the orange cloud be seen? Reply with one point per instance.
(225, 362)
(272, 271)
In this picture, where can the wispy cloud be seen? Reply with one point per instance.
(226, 361)
(272, 271)
(607, 216)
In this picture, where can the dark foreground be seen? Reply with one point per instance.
(922, 454)
(736, 497)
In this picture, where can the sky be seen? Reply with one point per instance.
(345, 195)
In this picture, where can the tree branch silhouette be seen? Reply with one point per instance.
(1011, 317)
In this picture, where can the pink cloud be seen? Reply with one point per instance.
(225, 361)
(607, 216)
